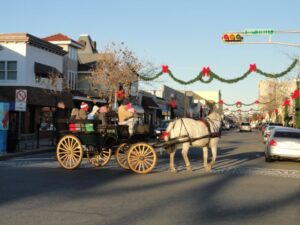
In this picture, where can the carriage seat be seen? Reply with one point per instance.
(123, 131)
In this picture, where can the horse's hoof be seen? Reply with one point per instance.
(189, 169)
(173, 170)
(207, 168)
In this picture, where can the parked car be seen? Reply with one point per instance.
(267, 132)
(225, 125)
(284, 142)
(161, 128)
(245, 127)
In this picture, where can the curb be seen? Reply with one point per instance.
(18, 154)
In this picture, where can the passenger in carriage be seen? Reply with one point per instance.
(84, 107)
(126, 117)
(74, 116)
(93, 115)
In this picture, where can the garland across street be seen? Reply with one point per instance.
(207, 76)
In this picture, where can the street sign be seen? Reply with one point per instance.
(258, 32)
(21, 100)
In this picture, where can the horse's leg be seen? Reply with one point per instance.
(205, 156)
(184, 152)
(172, 151)
(214, 148)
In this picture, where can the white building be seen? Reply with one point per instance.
(30, 63)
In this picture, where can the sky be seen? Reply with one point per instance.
(185, 35)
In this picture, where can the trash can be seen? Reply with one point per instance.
(3, 137)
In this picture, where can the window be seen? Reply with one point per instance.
(72, 53)
(8, 70)
(72, 80)
(11, 70)
(2, 70)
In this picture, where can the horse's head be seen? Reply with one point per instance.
(216, 118)
(166, 134)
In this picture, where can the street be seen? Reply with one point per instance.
(241, 189)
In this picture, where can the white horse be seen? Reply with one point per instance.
(186, 127)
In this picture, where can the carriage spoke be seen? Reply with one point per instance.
(64, 145)
(62, 150)
(63, 156)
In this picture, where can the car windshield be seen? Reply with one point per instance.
(284, 134)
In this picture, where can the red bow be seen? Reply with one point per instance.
(164, 135)
(165, 69)
(286, 102)
(276, 111)
(221, 102)
(252, 67)
(205, 71)
(257, 102)
(296, 94)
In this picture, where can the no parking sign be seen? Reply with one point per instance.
(21, 100)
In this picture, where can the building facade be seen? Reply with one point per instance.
(32, 64)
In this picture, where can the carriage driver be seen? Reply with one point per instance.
(126, 117)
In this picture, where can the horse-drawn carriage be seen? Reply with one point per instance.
(131, 152)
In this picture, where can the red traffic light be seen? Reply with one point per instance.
(232, 37)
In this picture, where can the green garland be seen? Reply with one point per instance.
(249, 104)
(211, 75)
(245, 111)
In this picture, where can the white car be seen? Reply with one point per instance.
(245, 127)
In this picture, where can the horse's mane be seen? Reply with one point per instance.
(214, 116)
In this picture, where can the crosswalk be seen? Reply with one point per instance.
(221, 167)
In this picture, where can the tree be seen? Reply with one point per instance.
(273, 95)
(116, 65)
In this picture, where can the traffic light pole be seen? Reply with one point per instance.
(264, 33)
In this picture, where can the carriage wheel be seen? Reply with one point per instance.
(142, 158)
(69, 152)
(99, 159)
(121, 155)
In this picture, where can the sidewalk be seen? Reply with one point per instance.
(44, 146)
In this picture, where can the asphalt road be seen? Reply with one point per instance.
(241, 189)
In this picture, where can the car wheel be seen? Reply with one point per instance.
(267, 159)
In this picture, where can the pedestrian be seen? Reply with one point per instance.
(172, 108)
(120, 95)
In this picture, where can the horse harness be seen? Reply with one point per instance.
(208, 125)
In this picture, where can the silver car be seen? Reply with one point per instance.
(283, 142)
(267, 133)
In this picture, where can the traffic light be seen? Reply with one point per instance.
(232, 37)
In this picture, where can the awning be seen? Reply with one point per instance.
(149, 103)
(43, 70)
(164, 109)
